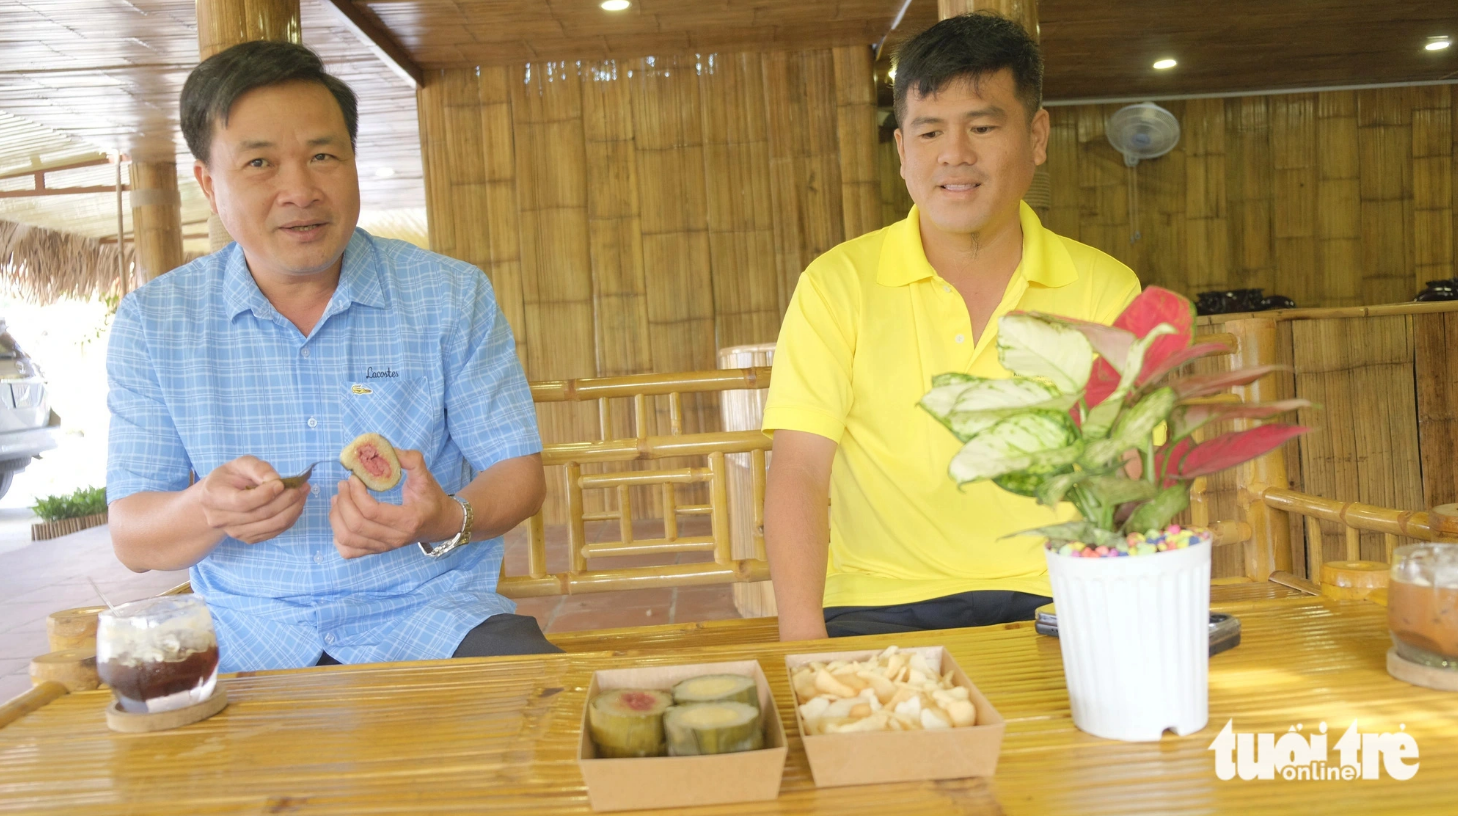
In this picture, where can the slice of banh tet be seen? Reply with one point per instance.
(372, 458)
(712, 688)
(724, 727)
(628, 722)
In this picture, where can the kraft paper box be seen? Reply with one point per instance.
(661, 782)
(899, 756)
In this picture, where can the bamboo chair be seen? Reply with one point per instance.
(712, 447)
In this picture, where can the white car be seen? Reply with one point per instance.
(28, 426)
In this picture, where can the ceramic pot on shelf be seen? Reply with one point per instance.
(1134, 632)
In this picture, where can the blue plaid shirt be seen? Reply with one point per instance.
(203, 369)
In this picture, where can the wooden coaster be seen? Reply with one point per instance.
(1352, 580)
(73, 668)
(129, 723)
(1419, 675)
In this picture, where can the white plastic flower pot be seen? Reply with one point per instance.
(1134, 632)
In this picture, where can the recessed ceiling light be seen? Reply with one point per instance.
(1438, 43)
(615, 5)
(385, 172)
(1165, 64)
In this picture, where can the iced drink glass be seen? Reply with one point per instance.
(159, 654)
(1422, 604)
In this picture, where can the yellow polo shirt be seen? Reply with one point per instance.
(870, 324)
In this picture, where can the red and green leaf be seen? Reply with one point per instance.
(1204, 385)
(1187, 418)
(1228, 450)
(1182, 357)
(1152, 307)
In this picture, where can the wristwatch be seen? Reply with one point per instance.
(462, 538)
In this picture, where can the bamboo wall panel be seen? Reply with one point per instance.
(1358, 373)
(1338, 221)
(1339, 198)
(895, 200)
(855, 123)
(1435, 346)
(1432, 184)
(1294, 162)
(637, 215)
(804, 160)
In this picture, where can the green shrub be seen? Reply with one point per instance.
(85, 501)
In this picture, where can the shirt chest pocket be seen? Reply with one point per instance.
(402, 410)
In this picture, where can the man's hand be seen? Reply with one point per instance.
(246, 499)
(364, 526)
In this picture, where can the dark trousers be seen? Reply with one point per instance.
(984, 608)
(497, 635)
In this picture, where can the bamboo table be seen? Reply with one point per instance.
(499, 735)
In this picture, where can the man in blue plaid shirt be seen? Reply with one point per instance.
(279, 349)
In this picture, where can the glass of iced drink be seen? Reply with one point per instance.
(1422, 604)
(158, 654)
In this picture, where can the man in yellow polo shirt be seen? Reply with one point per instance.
(874, 319)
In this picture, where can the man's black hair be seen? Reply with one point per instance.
(969, 47)
(214, 86)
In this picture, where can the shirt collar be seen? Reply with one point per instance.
(1045, 262)
(359, 280)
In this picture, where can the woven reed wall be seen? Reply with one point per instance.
(1341, 198)
(1385, 430)
(637, 215)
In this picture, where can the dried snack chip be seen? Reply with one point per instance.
(892, 691)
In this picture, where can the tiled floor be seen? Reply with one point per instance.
(39, 578)
(633, 607)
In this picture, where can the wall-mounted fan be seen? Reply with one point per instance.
(1141, 132)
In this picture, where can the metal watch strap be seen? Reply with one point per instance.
(468, 518)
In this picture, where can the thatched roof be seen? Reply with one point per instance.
(43, 266)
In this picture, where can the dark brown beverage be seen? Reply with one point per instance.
(159, 654)
(136, 683)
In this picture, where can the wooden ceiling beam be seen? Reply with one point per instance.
(377, 39)
(56, 166)
(54, 191)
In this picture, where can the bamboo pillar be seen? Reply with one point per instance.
(222, 24)
(1023, 11)
(156, 218)
(1040, 194)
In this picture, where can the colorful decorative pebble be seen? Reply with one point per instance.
(1172, 537)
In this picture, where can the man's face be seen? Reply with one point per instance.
(968, 152)
(282, 178)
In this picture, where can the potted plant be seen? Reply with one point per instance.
(63, 515)
(1095, 416)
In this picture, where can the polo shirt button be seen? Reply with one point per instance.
(313, 421)
(959, 338)
(319, 559)
(329, 638)
(944, 289)
(314, 489)
(304, 353)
